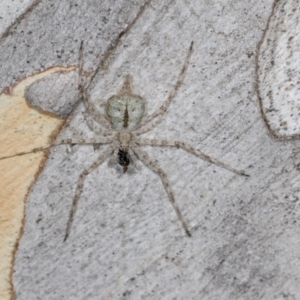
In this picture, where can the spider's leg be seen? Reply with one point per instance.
(105, 57)
(147, 127)
(72, 141)
(81, 179)
(143, 156)
(89, 106)
(85, 141)
(133, 158)
(163, 108)
(94, 126)
(190, 149)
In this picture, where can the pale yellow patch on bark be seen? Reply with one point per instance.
(21, 128)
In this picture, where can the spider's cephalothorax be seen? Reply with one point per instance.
(123, 159)
(121, 129)
(125, 110)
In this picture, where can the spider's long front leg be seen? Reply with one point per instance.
(147, 127)
(79, 187)
(143, 156)
(94, 126)
(71, 141)
(163, 108)
(97, 115)
(90, 107)
(190, 149)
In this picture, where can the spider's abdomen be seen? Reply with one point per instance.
(123, 159)
(125, 111)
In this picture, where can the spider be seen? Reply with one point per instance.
(121, 129)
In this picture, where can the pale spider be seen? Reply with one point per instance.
(124, 123)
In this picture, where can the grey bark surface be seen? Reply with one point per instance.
(126, 241)
(279, 71)
(11, 10)
(56, 93)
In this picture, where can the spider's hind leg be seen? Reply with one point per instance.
(192, 150)
(79, 186)
(134, 159)
(143, 156)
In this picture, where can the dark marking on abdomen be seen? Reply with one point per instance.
(126, 118)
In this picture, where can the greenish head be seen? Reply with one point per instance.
(125, 111)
